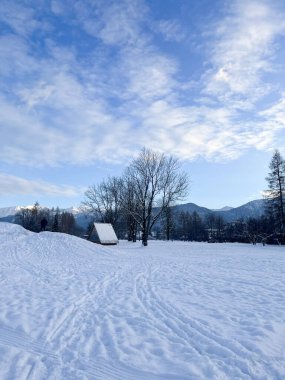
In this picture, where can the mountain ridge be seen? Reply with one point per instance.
(253, 208)
(250, 209)
(225, 208)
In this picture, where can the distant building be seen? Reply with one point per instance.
(103, 233)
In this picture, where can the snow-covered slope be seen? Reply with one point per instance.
(71, 309)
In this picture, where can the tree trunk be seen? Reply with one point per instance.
(134, 232)
(144, 234)
(281, 202)
(168, 232)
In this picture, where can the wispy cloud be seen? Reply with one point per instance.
(113, 89)
(215, 134)
(273, 124)
(114, 23)
(13, 185)
(171, 30)
(243, 50)
(20, 18)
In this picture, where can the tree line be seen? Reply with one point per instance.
(188, 226)
(56, 220)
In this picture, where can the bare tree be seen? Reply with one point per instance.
(157, 182)
(103, 200)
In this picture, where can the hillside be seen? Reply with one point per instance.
(251, 209)
(192, 207)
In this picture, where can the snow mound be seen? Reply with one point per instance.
(12, 232)
(49, 252)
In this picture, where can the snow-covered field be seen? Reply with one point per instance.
(70, 309)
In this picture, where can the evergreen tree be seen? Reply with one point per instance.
(275, 194)
(168, 222)
(55, 225)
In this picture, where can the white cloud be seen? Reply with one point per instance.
(62, 118)
(170, 29)
(149, 75)
(115, 23)
(36, 95)
(15, 58)
(64, 127)
(18, 17)
(126, 93)
(13, 185)
(244, 49)
(216, 134)
(273, 123)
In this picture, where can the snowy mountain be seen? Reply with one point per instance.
(226, 208)
(7, 214)
(251, 209)
(9, 211)
(74, 210)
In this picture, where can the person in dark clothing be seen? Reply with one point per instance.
(44, 223)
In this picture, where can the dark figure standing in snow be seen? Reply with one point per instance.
(44, 223)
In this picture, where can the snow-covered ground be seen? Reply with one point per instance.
(70, 309)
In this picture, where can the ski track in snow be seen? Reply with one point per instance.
(71, 309)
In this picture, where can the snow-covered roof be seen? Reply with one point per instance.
(106, 233)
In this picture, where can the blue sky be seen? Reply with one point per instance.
(86, 84)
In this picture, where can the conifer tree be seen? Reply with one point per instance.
(275, 194)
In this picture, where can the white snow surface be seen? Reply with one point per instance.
(71, 309)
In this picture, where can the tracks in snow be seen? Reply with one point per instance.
(72, 312)
(196, 339)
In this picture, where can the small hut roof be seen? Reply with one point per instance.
(106, 233)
